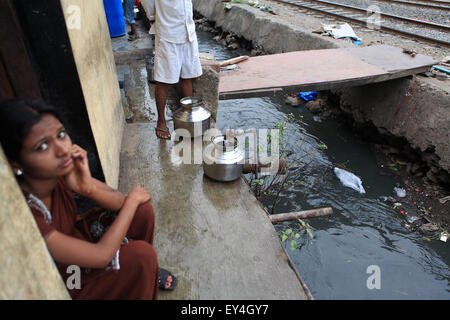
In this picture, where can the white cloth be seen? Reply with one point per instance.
(173, 19)
(175, 60)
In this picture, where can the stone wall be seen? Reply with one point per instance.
(414, 108)
(261, 29)
(93, 55)
(28, 271)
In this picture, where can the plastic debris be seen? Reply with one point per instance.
(348, 179)
(229, 67)
(338, 31)
(411, 218)
(308, 95)
(444, 199)
(447, 71)
(401, 193)
(357, 42)
(444, 237)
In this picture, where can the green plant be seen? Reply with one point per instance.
(291, 117)
(292, 236)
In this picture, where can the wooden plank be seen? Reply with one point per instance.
(296, 68)
(319, 70)
(391, 59)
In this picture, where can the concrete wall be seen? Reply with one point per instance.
(27, 270)
(92, 51)
(417, 109)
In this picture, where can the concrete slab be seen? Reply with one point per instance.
(320, 70)
(214, 236)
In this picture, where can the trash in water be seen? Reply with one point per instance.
(444, 237)
(308, 95)
(401, 193)
(317, 119)
(397, 204)
(444, 199)
(348, 179)
(411, 218)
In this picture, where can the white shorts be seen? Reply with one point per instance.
(176, 60)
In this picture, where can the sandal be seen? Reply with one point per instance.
(162, 130)
(163, 275)
(133, 37)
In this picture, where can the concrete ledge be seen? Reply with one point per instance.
(214, 236)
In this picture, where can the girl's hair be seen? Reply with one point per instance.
(16, 119)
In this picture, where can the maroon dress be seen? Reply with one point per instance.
(135, 273)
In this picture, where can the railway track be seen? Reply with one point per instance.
(428, 4)
(390, 23)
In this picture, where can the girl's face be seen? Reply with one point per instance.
(47, 150)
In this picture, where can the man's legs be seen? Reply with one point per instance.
(186, 87)
(129, 14)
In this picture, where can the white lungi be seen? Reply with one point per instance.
(176, 60)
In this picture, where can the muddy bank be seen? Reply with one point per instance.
(405, 120)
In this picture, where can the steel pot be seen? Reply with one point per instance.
(192, 117)
(223, 159)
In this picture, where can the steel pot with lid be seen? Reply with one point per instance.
(223, 159)
(192, 116)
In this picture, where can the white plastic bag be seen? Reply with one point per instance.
(401, 193)
(348, 179)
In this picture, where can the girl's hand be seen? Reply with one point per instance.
(79, 179)
(138, 195)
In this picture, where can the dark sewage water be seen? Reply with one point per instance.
(361, 251)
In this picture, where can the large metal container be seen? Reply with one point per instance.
(223, 159)
(192, 117)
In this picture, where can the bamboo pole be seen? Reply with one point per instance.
(232, 61)
(281, 217)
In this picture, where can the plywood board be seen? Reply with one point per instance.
(319, 70)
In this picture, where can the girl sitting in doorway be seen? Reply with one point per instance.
(117, 261)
